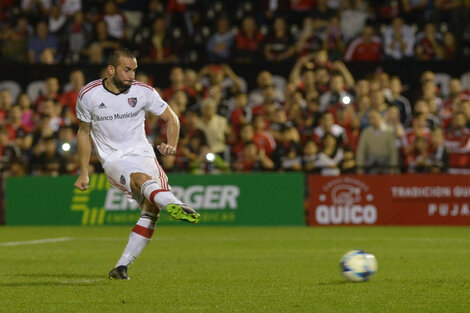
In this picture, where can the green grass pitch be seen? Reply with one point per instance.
(235, 269)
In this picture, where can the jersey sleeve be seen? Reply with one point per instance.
(155, 103)
(83, 112)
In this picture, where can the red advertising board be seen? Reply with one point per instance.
(410, 199)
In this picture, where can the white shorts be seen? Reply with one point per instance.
(119, 172)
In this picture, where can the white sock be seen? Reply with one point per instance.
(161, 197)
(138, 238)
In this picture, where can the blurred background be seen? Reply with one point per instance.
(314, 86)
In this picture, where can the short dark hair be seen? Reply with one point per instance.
(114, 57)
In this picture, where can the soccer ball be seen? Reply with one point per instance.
(358, 265)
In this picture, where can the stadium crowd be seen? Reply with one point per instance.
(86, 31)
(318, 119)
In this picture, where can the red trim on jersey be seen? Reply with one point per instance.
(89, 85)
(143, 85)
(154, 193)
(143, 231)
(90, 88)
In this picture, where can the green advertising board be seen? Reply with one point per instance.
(229, 199)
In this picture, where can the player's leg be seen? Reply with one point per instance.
(139, 238)
(158, 193)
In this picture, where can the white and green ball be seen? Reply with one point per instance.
(358, 265)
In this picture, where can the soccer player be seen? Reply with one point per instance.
(112, 112)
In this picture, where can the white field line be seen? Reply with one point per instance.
(81, 281)
(34, 242)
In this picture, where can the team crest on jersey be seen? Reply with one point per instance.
(132, 101)
(123, 180)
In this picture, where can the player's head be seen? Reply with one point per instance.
(122, 65)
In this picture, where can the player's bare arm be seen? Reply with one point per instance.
(173, 132)
(84, 151)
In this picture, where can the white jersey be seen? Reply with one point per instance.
(117, 120)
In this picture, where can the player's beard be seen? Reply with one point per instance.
(120, 85)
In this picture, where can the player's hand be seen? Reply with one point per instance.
(166, 149)
(82, 182)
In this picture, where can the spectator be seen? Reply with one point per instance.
(247, 134)
(457, 136)
(52, 111)
(248, 41)
(79, 32)
(421, 161)
(417, 11)
(255, 96)
(418, 129)
(429, 44)
(159, 47)
(195, 152)
(5, 105)
(330, 156)
(399, 101)
(271, 9)
(269, 103)
(429, 94)
(450, 47)
(279, 44)
(41, 41)
(156, 9)
(52, 91)
(327, 126)
(66, 146)
(452, 12)
(14, 41)
(101, 36)
(95, 54)
(263, 139)
(367, 47)
(276, 124)
(399, 40)
(241, 114)
(219, 45)
(353, 17)
(376, 150)
(215, 128)
(322, 12)
(18, 132)
(115, 20)
(336, 95)
(439, 152)
(300, 9)
(286, 155)
(377, 101)
(68, 99)
(9, 152)
(57, 21)
(309, 156)
(348, 164)
(46, 160)
(27, 113)
(465, 109)
(35, 8)
(70, 7)
(253, 160)
(177, 80)
(392, 121)
(311, 37)
(453, 101)
(333, 40)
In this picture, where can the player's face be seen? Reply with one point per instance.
(124, 74)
